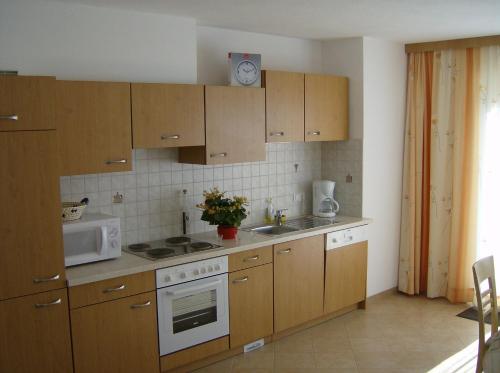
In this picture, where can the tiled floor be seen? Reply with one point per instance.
(396, 333)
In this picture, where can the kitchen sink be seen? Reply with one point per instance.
(273, 230)
(292, 225)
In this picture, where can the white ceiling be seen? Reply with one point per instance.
(401, 20)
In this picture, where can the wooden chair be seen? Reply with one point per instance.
(483, 270)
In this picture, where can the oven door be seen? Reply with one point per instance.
(192, 313)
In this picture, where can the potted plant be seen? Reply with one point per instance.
(226, 213)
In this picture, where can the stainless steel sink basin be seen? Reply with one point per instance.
(273, 230)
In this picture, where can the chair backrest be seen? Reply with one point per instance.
(484, 270)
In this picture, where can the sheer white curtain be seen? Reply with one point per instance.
(489, 171)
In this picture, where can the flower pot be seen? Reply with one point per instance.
(227, 232)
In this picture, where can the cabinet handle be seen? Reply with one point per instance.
(286, 251)
(239, 280)
(47, 279)
(252, 258)
(278, 133)
(314, 133)
(169, 137)
(142, 305)
(54, 303)
(118, 288)
(214, 155)
(9, 117)
(114, 161)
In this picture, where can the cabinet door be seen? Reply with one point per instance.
(284, 106)
(326, 108)
(167, 115)
(116, 336)
(31, 252)
(26, 103)
(93, 126)
(250, 304)
(345, 279)
(35, 334)
(298, 281)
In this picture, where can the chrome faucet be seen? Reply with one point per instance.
(279, 217)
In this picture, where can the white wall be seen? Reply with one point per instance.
(278, 52)
(73, 41)
(384, 82)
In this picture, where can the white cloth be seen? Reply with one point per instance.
(491, 360)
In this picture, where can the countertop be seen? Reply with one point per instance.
(129, 264)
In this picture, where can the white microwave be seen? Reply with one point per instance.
(92, 238)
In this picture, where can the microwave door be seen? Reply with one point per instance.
(84, 246)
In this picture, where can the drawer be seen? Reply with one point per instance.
(119, 287)
(27, 103)
(250, 258)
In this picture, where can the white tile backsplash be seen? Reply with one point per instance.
(153, 199)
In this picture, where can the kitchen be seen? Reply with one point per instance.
(142, 139)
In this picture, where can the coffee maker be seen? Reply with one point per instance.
(324, 205)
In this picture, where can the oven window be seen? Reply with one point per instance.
(194, 310)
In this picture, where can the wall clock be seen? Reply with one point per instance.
(244, 69)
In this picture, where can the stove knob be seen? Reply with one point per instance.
(210, 269)
(167, 278)
(182, 275)
(196, 272)
(217, 267)
(202, 270)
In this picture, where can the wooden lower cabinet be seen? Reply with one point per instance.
(117, 336)
(345, 278)
(250, 304)
(298, 281)
(34, 334)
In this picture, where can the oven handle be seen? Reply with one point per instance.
(193, 288)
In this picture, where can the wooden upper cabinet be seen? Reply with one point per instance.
(31, 251)
(167, 115)
(326, 108)
(35, 334)
(26, 103)
(116, 336)
(235, 127)
(284, 106)
(298, 281)
(93, 126)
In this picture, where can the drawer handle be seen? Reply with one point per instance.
(278, 133)
(252, 258)
(215, 155)
(115, 161)
(240, 280)
(142, 305)
(170, 137)
(285, 251)
(118, 288)
(48, 279)
(13, 117)
(314, 133)
(54, 303)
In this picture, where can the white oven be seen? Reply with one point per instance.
(92, 238)
(192, 304)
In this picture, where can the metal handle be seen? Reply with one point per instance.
(239, 280)
(113, 161)
(167, 137)
(314, 133)
(48, 279)
(54, 303)
(142, 305)
(256, 257)
(118, 288)
(9, 117)
(214, 155)
(286, 251)
(278, 133)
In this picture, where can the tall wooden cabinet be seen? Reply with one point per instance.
(284, 106)
(168, 115)
(298, 282)
(326, 108)
(235, 127)
(93, 126)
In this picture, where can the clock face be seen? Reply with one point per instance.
(246, 72)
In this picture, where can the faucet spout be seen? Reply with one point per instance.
(279, 217)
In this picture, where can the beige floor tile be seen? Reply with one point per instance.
(335, 361)
(255, 359)
(299, 342)
(293, 360)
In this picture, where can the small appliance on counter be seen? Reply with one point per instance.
(324, 205)
(92, 238)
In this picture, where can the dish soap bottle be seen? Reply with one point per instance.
(269, 214)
